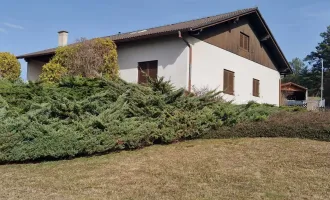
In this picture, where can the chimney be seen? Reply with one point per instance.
(62, 38)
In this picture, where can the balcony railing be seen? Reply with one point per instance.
(295, 103)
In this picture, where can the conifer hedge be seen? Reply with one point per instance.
(305, 125)
(80, 116)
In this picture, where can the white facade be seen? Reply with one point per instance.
(209, 63)
(34, 70)
(171, 53)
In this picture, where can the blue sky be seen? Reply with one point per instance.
(28, 26)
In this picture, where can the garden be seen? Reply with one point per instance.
(76, 111)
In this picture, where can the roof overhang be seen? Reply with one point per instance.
(51, 52)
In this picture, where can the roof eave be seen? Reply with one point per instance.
(291, 83)
(36, 55)
(274, 41)
(222, 21)
(117, 41)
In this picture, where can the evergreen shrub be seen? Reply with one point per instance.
(85, 116)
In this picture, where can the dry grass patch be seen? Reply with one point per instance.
(260, 168)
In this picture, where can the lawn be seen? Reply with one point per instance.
(264, 168)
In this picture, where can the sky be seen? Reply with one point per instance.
(29, 26)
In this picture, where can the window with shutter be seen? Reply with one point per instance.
(228, 82)
(255, 90)
(145, 69)
(244, 41)
(241, 41)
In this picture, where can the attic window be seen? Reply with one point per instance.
(244, 41)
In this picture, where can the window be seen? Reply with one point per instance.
(255, 90)
(244, 41)
(228, 82)
(148, 68)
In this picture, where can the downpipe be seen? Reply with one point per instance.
(190, 60)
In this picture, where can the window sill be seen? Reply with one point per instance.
(242, 49)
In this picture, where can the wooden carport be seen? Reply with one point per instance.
(293, 92)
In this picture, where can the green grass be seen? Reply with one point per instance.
(260, 168)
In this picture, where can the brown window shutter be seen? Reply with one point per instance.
(228, 82)
(247, 42)
(231, 83)
(255, 91)
(255, 88)
(149, 68)
(258, 88)
(153, 69)
(142, 72)
(244, 41)
(241, 42)
(225, 81)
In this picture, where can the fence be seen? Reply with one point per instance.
(310, 104)
(295, 103)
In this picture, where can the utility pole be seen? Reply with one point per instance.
(322, 88)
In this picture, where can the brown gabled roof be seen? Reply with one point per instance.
(285, 85)
(161, 30)
(183, 27)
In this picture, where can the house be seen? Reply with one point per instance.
(294, 94)
(234, 52)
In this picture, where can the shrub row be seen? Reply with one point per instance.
(80, 116)
(307, 125)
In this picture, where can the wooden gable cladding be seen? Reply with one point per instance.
(238, 38)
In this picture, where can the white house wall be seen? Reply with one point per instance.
(209, 63)
(171, 53)
(34, 70)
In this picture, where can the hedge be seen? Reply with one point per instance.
(81, 116)
(306, 125)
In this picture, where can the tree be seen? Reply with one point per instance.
(322, 50)
(298, 66)
(310, 79)
(86, 58)
(10, 68)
